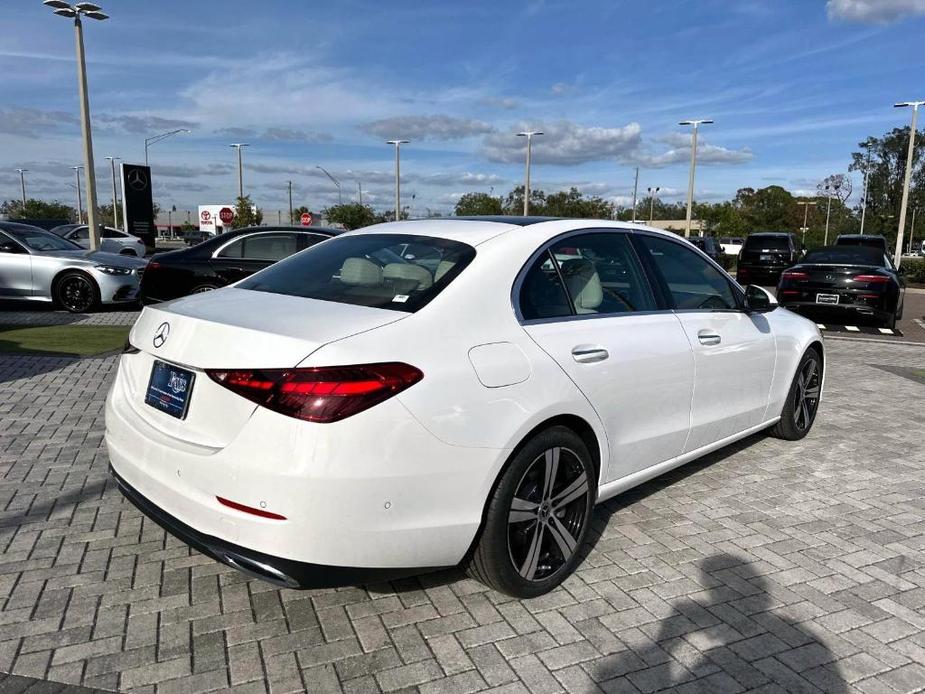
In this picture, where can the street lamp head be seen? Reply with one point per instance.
(913, 104)
(696, 122)
(96, 15)
(66, 12)
(57, 4)
(397, 142)
(530, 133)
(239, 144)
(88, 7)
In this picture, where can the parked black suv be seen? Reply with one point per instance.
(766, 254)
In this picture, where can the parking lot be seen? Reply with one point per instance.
(769, 566)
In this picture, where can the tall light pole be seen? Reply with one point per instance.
(75, 12)
(864, 198)
(340, 195)
(115, 199)
(80, 212)
(398, 144)
(22, 185)
(690, 181)
(290, 202)
(652, 193)
(635, 188)
(239, 146)
(912, 228)
(806, 206)
(529, 135)
(154, 139)
(905, 200)
(830, 190)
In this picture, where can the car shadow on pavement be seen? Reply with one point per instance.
(40, 510)
(726, 637)
(15, 366)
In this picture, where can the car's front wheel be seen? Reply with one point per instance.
(799, 411)
(76, 292)
(128, 251)
(538, 516)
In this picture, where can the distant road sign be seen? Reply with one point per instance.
(306, 219)
(226, 215)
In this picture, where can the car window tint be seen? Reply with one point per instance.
(692, 282)
(602, 274)
(81, 234)
(367, 270)
(235, 249)
(542, 294)
(269, 246)
(753, 243)
(107, 233)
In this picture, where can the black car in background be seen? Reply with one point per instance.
(869, 240)
(708, 245)
(224, 259)
(764, 255)
(853, 281)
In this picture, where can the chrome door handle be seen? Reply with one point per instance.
(588, 354)
(708, 338)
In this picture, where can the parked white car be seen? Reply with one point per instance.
(111, 240)
(351, 415)
(731, 245)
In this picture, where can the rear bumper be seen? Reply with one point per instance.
(814, 308)
(287, 573)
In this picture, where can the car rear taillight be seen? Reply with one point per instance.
(871, 279)
(794, 275)
(319, 394)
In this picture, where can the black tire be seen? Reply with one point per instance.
(529, 550)
(128, 251)
(203, 288)
(802, 403)
(76, 292)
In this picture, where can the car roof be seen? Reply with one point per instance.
(770, 233)
(862, 236)
(19, 226)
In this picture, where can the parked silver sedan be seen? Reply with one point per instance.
(37, 265)
(111, 240)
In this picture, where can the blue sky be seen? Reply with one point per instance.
(793, 86)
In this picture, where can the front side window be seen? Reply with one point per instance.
(40, 240)
(692, 282)
(368, 270)
(81, 234)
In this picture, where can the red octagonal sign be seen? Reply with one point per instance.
(306, 219)
(226, 215)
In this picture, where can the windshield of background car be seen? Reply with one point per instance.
(862, 241)
(753, 243)
(845, 255)
(401, 272)
(40, 240)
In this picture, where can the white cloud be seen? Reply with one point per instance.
(33, 122)
(565, 143)
(142, 124)
(294, 135)
(873, 11)
(680, 151)
(435, 127)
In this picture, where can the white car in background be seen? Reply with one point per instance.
(111, 240)
(731, 245)
(350, 414)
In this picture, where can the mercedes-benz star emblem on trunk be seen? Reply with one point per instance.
(160, 335)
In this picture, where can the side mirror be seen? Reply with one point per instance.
(759, 300)
(9, 247)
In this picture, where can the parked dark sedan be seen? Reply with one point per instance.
(224, 259)
(855, 281)
(766, 254)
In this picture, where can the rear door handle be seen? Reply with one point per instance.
(707, 337)
(588, 354)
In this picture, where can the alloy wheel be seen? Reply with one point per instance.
(548, 514)
(76, 294)
(203, 289)
(806, 397)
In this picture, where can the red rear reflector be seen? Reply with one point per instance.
(790, 291)
(247, 509)
(794, 275)
(871, 279)
(319, 394)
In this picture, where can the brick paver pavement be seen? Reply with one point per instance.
(20, 317)
(770, 566)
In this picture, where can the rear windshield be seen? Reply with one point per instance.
(401, 272)
(846, 255)
(869, 241)
(754, 243)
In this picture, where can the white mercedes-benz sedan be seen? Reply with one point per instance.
(432, 393)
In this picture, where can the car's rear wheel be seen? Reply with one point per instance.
(538, 516)
(128, 251)
(802, 403)
(76, 292)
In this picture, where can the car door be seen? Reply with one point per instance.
(247, 254)
(15, 269)
(587, 303)
(734, 350)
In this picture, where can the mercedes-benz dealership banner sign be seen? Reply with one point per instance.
(138, 202)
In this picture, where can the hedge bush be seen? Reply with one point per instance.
(914, 270)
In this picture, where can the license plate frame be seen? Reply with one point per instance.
(827, 299)
(169, 389)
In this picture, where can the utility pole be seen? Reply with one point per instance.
(340, 195)
(690, 182)
(360, 192)
(635, 188)
(115, 199)
(829, 190)
(905, 200)
(80, 212)
(398, 144)
(806, 206)
(290, 202)
(239, 146)
(652, 192)
(912, 229)
(864, 199)
(22, 185)
(529, 135)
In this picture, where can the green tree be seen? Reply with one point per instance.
(105, 215)
(478, 204)
(352, 215)
(572, 203)
(514, 202)
(37, 209)
(246, 214)
(297, 213)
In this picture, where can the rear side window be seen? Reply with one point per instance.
(368, 270)
(542, 294)
(777, 243)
